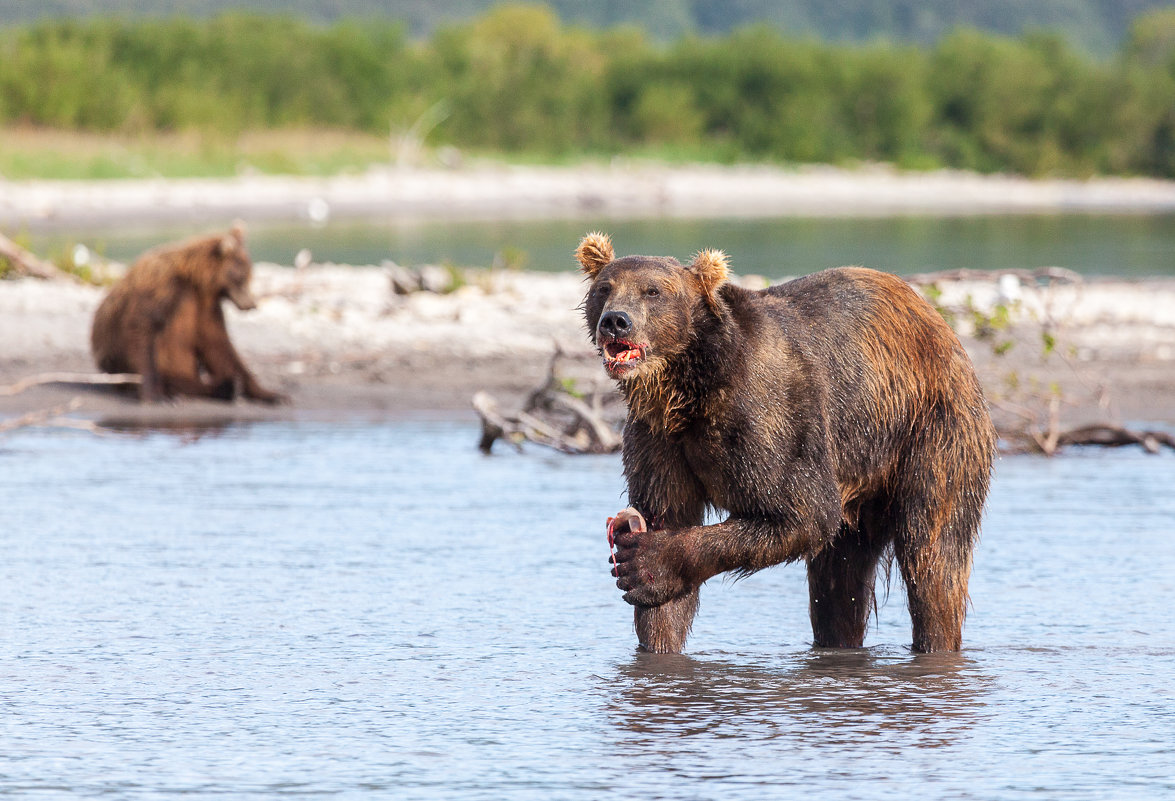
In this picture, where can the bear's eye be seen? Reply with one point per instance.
(652, 292)
(603, 289)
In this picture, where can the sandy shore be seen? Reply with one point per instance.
(344, 345)
(619, 189)
(337, 339)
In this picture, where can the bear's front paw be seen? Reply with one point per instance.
(643, 562)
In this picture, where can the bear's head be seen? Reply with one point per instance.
(641, 311)
(234, 269)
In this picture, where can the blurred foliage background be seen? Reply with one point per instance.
(1097, 26)
(672, 80)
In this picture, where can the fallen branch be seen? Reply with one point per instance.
(493, 425)
(116, 379)
(89, 426)
(1111, 436)
(25, 263)
(39, 417)
(518, 426)
(604, 438)
(1050, 440)
(1047, 442)
(551, 417)
(552, 397)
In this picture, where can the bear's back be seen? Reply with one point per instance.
(136, 304)
(884, 358)
(860, 309)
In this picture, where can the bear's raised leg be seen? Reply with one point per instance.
(841, 582)
(663, 629)
(660, 629)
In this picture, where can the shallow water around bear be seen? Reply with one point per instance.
(376, 610)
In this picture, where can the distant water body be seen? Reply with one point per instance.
(1126, 245)
(378, 611)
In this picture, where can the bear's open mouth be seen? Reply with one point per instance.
(620, 354)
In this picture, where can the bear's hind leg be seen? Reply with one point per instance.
(934, 540)
(935, 572)
(841, 582)
(935, 512)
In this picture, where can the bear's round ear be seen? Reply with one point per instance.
(712, 267)
(233, 241)
(594, 253)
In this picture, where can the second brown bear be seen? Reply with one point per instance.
(163, 320)
(834, 418)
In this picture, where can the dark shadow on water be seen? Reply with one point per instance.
(185, 430)
(834, 695)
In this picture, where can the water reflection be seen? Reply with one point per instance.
(186, 429)
(827, 696)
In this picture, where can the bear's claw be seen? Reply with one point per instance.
(637, 578)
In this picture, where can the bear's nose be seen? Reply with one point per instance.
(615, 324)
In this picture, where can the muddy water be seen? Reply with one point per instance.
(378, 611)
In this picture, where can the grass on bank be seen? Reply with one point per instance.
(28, 153)
(32, 153)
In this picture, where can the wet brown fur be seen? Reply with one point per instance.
(163, 320)
(835, 418)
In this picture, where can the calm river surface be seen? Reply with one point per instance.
(1092, 244)
(358, 611)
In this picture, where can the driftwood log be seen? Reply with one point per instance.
(105, 379)
(1049, 438)
(551, 416)
(1112, 436)
(1107, 435)
(50, 418)
(25, 263)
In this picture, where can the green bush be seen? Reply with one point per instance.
(517, 81)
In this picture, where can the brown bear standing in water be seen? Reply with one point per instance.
(163, 320)
(832, 417)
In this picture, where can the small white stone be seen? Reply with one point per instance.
(318, 210)
(1010, 289)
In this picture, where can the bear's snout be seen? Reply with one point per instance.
(614, 325)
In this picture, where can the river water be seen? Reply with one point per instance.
(1092, 244)
(378, 611)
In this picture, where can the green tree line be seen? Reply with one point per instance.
(517, 81)
(1098, 26)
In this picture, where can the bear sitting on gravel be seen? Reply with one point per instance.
(834, 418)
(163, 320)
